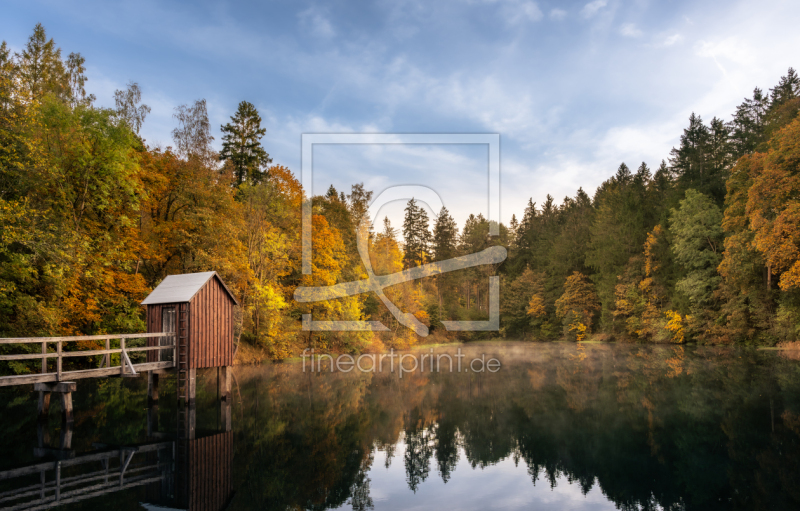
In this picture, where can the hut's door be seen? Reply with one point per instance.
(167, 325)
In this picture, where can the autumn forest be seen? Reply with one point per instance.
(702, 247)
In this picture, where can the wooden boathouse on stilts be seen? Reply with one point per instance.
(198, 309)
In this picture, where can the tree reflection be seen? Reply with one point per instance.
(652, 427)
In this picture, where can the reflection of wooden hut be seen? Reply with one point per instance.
(203, 477)
(209, 482)
(198, 307)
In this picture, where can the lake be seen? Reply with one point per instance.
(556, 426)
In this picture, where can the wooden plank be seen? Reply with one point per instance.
(86, 353)
(23, 379)
(29, 340)
(63, 386)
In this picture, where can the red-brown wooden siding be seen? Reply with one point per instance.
(210, 326)
(210, 472)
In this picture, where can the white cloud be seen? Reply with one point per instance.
(558, 14)
(590, 9)
(630, 30)
(672, 40)
(313, 20)
(731, 48)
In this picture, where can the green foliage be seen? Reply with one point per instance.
(241, 145)
(696, 228)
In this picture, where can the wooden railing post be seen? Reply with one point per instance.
(44, 358)
(122, 356)
(58, 363)
(107, 356)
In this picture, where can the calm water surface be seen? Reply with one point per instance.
(559, 426)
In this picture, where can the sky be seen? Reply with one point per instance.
(572, 88)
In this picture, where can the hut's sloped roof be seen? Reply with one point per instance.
(182, 288)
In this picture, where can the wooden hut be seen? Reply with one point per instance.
(198, 307)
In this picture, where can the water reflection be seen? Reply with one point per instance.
(560, 426)
(172, 469)
(586, 427)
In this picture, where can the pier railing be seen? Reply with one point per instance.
(57, 352)
(85, 477)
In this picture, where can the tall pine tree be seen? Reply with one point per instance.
(241, 145)
(416, 234)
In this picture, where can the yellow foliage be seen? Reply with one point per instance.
(579, 329)
(675, 325)
(579, 298)
(536, 307)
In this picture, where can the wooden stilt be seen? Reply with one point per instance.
(44, 403)
(191, 422)
(64, 389)
(66, 407)
(152, 420)
(191, 386)
(152, 388)
(224, 382)
(225, 415)
(66, 436)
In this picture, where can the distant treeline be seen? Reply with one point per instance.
(706, 248)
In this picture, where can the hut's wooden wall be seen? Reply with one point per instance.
(211, 327)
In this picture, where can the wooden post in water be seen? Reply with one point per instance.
(191, 386)
(224, 382)
(152, 388)
(64, 389)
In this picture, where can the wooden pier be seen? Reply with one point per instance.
(53, 348)
(190, 326)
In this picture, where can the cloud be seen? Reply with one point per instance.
(531, 11)
(630, 30)
(313, 20)
(558, 14)
(517, 11)
(672, 40)
(730, 48)
(590, 9)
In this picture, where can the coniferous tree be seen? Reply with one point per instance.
(358, 203)
(788, 88)
(241, 145)
(688, 161)
(444, 246)
(416, 234)
(747, 126)
(445, 236)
